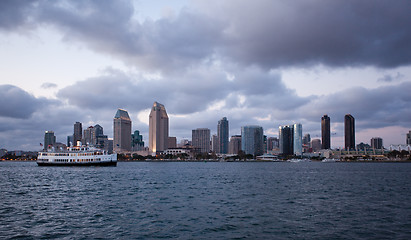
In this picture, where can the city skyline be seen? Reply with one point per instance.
(266, 63)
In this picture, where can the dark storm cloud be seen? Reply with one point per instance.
(17, 103)
(15, 13)
(267, 33)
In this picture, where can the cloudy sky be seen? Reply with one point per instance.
(262, 62)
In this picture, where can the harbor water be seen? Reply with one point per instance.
(206, 200)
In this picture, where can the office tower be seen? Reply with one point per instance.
(376, 143)
(349, 131)
(325, 132)
(49, 139)
(122, 131)
(408, 139)
(100, 138)
(137, 143)
(77, 135)
(89, 136)
(316, 145)
(222, 134)
(298, 139)
(158, 128)
(306, 139)
(286, 139)
(235, 144)
(98, 130)
(214, 143)
(201, 139)
(172, 142)
(252, 140)
(272, 143)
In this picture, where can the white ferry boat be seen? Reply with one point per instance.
(77, 156)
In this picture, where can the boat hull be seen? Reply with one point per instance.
(77, 164)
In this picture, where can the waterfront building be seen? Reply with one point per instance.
(235, 144)
(286, 139)
(49, 139)
(172, 142)
(272, 143)
(89, 136)
(201, 139)
(252, 140)
(158, 128)
(122, 131)
(376, 143)
(408, 139)
(325, 132)
(214, 143)
(70, 141)
(349, 132)
(222, 135)
(298, 138)
(306, 139)
(137, 143)
(316, 145)
(78, 133)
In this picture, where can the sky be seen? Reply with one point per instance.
(263, 62)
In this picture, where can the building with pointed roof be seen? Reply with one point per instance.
(122, 131)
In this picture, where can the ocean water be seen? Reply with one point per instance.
(204, 200)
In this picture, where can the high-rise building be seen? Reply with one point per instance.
(100, 138)
(325, 132)
(89, 136)
(49, 139)
(349, 131)
(214, 143)
(272, 143)
(70, 141)
(315, 145)
(235, 144)
(408, 139)
(286, 139)
(78, 133)
(122, 131)
(222, 134)
(137, 143)
(376, 143)
(306, 139)
(298, 139)
(201, 139)
(252, 140)
(172, 142)
(158, 128)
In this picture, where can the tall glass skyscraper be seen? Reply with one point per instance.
(78, 133)
(49, 139)
(122, 131)
(286, 139)
(325, 132)
(158, 128)
(222, 135)
(349, 131)
(298, 139)
(252, 140)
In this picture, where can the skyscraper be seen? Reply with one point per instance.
(349, 131)
(158, 128)
(122, 131)
(78, 133)
(222, 135)
(376, 143)
(252, 140)
(272, 143)
(325, 132)
(49, 139)
(214, 143)
(89, 136)
(408, 139)
(137, 143)
(298, 139)
(286, 139)
(201, 139)
(235, 144)
(306, 139)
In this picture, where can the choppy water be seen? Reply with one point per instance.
(206, 201)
